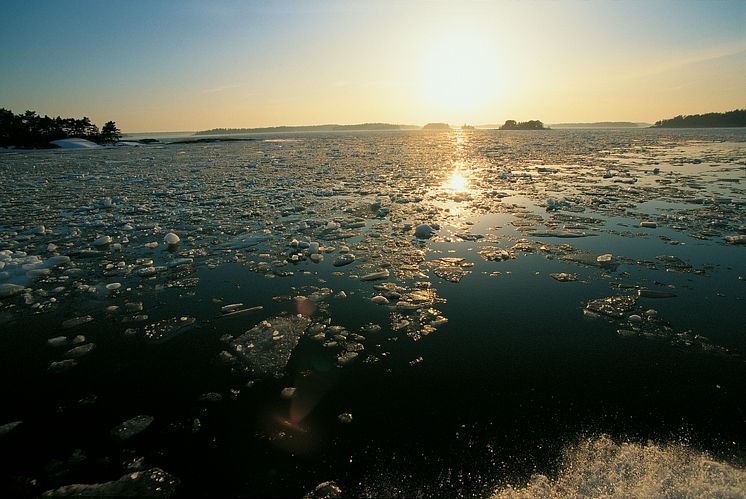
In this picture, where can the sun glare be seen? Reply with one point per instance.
(457, 182)
(460, 76)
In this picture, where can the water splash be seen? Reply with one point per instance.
(600, 467)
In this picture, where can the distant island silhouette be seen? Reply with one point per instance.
(735, 118)
(308, 128)
(602, 124)
(437, 126)
(523, 125)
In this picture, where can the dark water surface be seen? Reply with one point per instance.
(477, 374)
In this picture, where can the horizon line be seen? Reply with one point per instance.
(375, 123)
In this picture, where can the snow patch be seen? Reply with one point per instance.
(75, 143)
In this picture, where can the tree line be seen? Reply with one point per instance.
(30, 130)
(523, 125)
(736, 118)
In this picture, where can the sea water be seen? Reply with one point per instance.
(457, 313)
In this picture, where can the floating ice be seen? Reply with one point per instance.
(171, 239)
(132, 427)
(167, 329)
(737, 239)
(423, 231)
(76, 321)
(243, 241)
(325, 490)
(8, 427)
(80, 351)
(652, 293)
(266, 348)
(344, 259)
(57, 341)
(564, 277)
(605, 258)
(62, 365)
(154, 483)
(613, 306)
(102, 241)
(373, 276)
(8, 289)
(559, 233)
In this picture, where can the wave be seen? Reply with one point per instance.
(600, 467)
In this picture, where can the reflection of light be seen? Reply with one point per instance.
(305, 306)
(457, 182)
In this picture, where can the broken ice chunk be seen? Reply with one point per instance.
(605, 258)
(266, 348)
(8, 427)
(154, 483)
(76, 321)
(383, 274)
(8, 289)
(132, 427)
(564, 277)
(171, 239)
(344, 259)
(738, 239)
(167, 329)
(62, 365)
(57, 341)
(613, 306)
(325, 490)
(102, 241)
(80, 351)
(423, 231)
(652, 293)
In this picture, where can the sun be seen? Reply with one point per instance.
(460, 75)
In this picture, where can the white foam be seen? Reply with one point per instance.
(599, 467)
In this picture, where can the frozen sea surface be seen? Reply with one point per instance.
(464, 313)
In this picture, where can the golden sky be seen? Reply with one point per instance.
(197, 65)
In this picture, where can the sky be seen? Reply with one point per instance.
(192, 65)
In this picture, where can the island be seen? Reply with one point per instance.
(523, 125)
(467, 127)
(602, 124)
(730, 119)
(308, 128)
(437, 126)
(32, 131)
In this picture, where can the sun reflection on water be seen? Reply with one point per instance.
(457, 182)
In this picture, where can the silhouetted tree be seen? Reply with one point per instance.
(7, 123)
(110, 133)
(736, 118)
(29, 130)
(524, 125)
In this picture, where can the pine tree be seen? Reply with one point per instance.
(110, 133)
